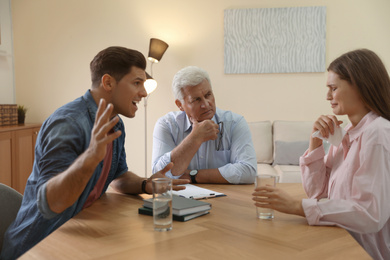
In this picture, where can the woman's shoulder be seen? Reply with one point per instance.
(378, 131)
(379, 124)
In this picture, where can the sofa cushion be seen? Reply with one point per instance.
(266, 169)
(291, 131)
(262, 140)
(288, 173)
(288, 153)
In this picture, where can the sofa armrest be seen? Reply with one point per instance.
(262, 140)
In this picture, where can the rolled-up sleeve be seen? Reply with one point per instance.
(163, 144)
(43, 206)
(315, 175)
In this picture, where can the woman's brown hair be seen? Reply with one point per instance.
(366, 72)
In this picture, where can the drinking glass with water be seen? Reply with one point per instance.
(162, 204)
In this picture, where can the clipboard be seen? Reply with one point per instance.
(197, 193)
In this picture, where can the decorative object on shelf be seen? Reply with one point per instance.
(21, 114)
(8, 114)
(157, 49)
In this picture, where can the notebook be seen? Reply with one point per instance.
(182, 206)
(149, 212)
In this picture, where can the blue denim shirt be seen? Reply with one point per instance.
(235, 158)
(63, 137)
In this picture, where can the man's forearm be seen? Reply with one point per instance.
(182, 155)
(64, 189)
(128, 183)
(210, 176)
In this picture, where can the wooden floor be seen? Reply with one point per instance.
(112, 229)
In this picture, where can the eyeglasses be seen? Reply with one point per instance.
(218, 143)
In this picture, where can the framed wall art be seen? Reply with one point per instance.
(275, 40)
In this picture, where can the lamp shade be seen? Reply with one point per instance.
(150, 84)
(157, 49)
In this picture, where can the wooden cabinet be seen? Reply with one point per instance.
(17, 144)
(5, 158)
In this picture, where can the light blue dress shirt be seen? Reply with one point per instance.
(235, 160)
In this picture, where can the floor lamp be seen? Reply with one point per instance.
(157, 49)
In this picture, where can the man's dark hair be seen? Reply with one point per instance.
(115, 61)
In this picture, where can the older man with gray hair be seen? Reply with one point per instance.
(206, 144)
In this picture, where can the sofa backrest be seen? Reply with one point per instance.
(265, 134)
(292, 131)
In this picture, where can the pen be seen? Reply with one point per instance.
(203, 196)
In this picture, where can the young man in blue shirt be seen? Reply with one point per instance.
(80, 151)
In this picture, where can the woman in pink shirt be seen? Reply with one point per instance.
(350, 186)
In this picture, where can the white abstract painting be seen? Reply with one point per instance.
(275, 40)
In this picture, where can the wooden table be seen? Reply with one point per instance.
(112, 229)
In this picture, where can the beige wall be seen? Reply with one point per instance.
(7, 86)
(54, 41)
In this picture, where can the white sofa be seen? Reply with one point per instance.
(279, 145)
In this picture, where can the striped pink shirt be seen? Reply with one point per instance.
(354, 182)
(97, 190)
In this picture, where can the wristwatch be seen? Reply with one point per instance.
(193, 174)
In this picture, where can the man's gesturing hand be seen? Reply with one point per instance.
(100, 132)
(161, 174)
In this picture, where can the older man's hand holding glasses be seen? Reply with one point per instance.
(208, 130)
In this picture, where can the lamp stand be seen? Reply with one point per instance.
(146, 136)
(157, 49)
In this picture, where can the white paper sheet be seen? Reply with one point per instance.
(195, 192)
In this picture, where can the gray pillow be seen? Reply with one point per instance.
(288, 153)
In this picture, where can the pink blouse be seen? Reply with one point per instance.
(350, 187)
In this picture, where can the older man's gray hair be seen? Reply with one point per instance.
(188, 76)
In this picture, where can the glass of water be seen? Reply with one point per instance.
(162, 204)
(265, 180)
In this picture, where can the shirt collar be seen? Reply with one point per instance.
(355, 132)
(91, 105)
(92, 109)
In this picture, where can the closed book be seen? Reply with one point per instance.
(8, 114)
(182, 206)
(149, 212)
